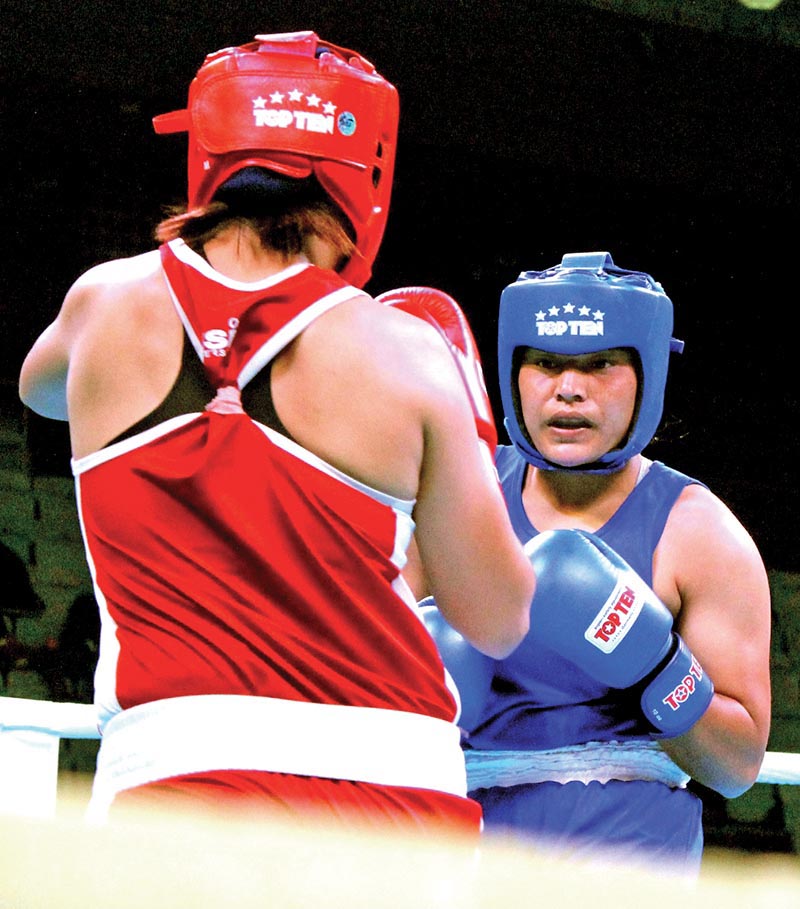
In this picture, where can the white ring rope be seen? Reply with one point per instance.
(31, 730)
(780, 767)
(60, 719)
(78, 721)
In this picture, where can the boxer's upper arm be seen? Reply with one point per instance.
(471, 557)
(725, 613)
(43, 377)
(725, 618)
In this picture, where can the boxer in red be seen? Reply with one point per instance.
(254, 441)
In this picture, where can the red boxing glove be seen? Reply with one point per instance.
(446, 316)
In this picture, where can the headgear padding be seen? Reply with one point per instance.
(297, 106)
(582, 306)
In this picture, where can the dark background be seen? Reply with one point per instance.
(527, 130)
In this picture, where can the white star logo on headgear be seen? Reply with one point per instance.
(276, 97)
(329, 108)
(598, 315)
(295, 95)
(583, 311)
(540, 315)
(259, 102)
(569, 307)
(553, 310)
(313, 100)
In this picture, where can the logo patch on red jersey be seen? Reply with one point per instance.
(217, 341)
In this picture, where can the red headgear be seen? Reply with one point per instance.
(297, 106)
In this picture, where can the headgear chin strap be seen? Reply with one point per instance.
(585, 305)
(297, 106)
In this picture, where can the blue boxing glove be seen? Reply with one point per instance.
(471, 670)
(593, 609)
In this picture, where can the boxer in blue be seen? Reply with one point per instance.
(646, 664)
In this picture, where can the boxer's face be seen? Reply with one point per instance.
(577, 407)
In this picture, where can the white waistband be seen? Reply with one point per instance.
(592, 762)
(233, 732)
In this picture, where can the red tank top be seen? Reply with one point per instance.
(227, 559)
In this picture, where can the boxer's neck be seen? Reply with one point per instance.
(238, 253)
(555, 498)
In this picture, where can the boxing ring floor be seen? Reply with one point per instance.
(52, 857)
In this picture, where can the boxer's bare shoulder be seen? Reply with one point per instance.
(122, 271)
(90, 339)
(136, 281)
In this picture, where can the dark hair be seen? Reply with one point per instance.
(282, 211)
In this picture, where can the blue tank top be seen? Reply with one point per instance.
(540, 700)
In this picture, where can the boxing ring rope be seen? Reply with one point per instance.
(30, 736)
(31, 732)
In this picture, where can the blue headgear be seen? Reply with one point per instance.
(584, 305)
